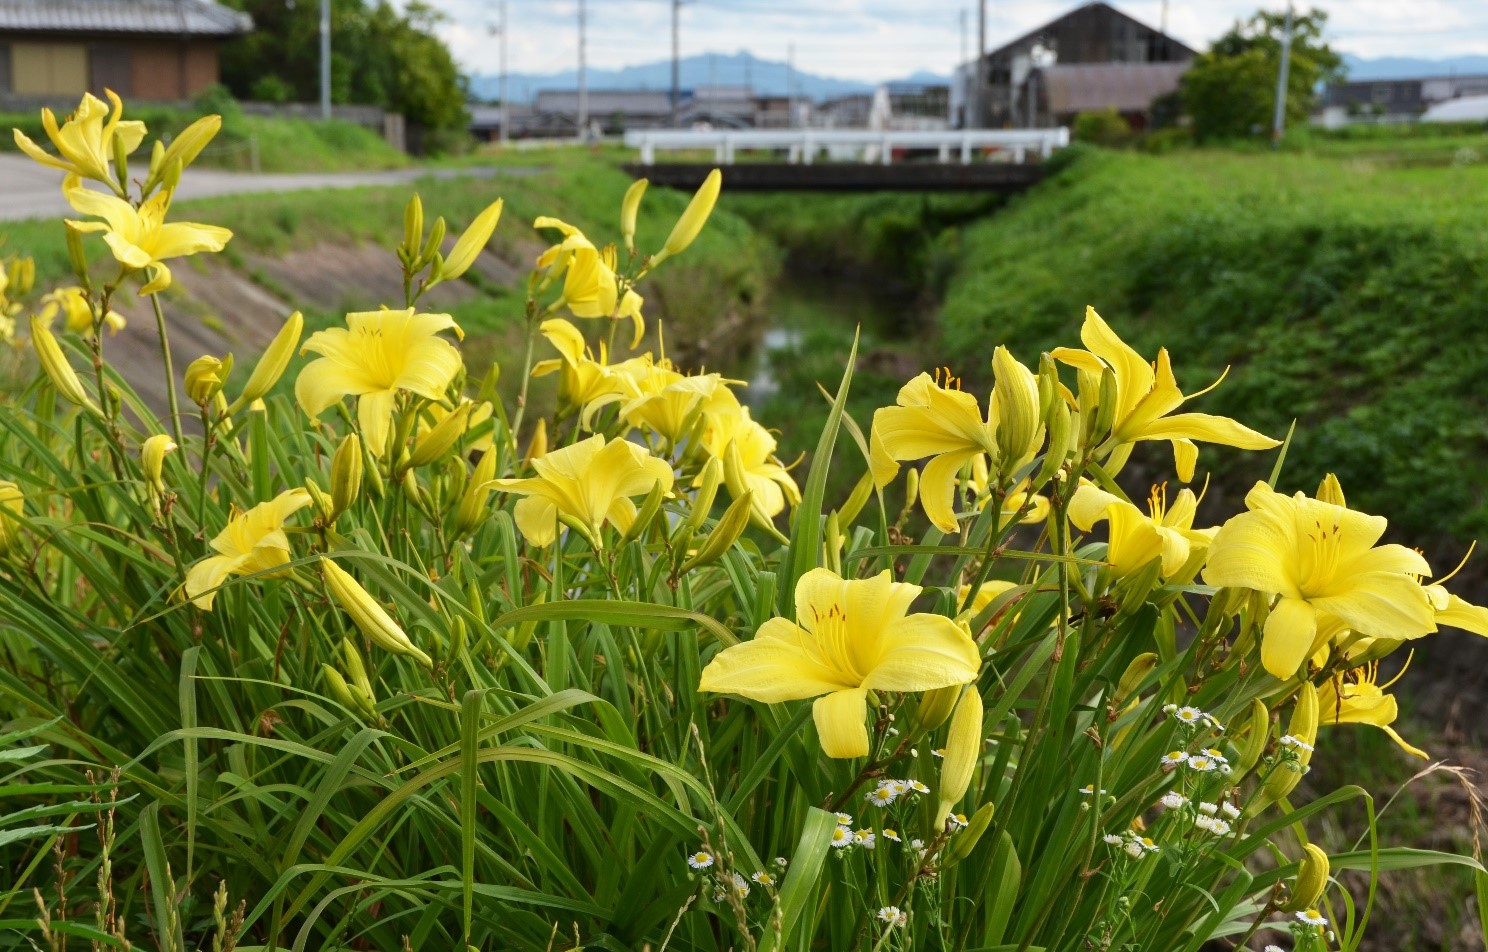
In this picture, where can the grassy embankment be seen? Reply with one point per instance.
(283, 144)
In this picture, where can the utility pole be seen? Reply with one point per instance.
(676, 64)
(790, 86)
(501, 49)
(978, 110)
(325, 59)
(583, 120)
(966, 102)
(1278, 119)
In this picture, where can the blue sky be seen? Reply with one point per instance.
(881, 39)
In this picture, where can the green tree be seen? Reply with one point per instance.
(1230, 91)
(380, 56)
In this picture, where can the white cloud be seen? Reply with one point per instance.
(879, 39)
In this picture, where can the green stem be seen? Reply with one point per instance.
(170, 373)
(516, 427)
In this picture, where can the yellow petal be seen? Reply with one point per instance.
(1288, 637)
(1135, 541)
(537, 518)
(375, 416)
(1089, 505)
(938, 488)
(203, 579)
(1134, 377)
(922, 652)
(1381, 605)
(1205, 428)
(775, 666)
(1464, 615)
(840, 723)
(1253, 550)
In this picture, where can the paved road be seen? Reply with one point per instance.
(28, 190)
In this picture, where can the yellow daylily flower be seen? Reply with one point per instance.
(583, 380)
(932, 420)
(1147, 395)
(669, 411)
(1357, 699)
(378, 354)
(850, 637)
(142, 238)
(748, 453)
(1455, 612)
(434, 414)
(85, 142)
(1165, 531)
(590, 286)
(77, 314)
(1321, 561)
(254, 541)
(590, 482)
(985, 595)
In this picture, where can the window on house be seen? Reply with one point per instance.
(1382, 93)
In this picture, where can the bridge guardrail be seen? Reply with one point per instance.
(802, 145)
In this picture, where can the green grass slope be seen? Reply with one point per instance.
(1345, 296)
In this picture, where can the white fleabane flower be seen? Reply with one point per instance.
(1134, 849)
(958, 822)
(1208, 808)
(1174, 800)
(741, 886)
(1273, 948)
(1288, 740)
(916, 786)
(891, 835)
(1174, 757)
(842, 837)
(938, 753)
(1189, 715)
(763, 878)
(844, 819)
(700, 860)
(1311, 917)
(882, 795)
(782, 862)
(892, 916)
(1089, 789)
(864, 838)
(1111, 839)
(1201, 763)
(1230, 810)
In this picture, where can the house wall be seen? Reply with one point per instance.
(149, 68)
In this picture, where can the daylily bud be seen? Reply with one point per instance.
(935, 706)
(270, 366)
(1330, 491)
(172, 176)
(431, 246)
(157, 154)
(413, 228)
(1135, 588)
(1312, 879)
(537, 447)
(628, 208)
(184, 148)
(22, 276)
(1048, 384)
(522, 636)
(1259, 733)
(152, 459)
(730, 526)
(372, 479)
(1303, 726)
(437, 441)
(963, 750)
(1105, 411)
(1015, 407)
(58, 370)
(204, 378)
(323, 503)
(711, 477)
(368, 615)
(472, 511)
(1131, 679)
(121, 157)
(645, 515)
(77, 255)
(1061, 431)
(340, 691)
(354, 667)
(911, 487)
(693, 218)
(12, 508)
(469, 245)
(457, 641)
(966, 841)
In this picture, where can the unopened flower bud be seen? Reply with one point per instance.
(1312, 879)
(270, 366)
(204, 378)
(58, 370)
(1303, 726)
(12, 508)
(469, 245)
(967, 840)
(413, 229)
(472, 511)
(962, 751)
(693, 217)
(629, 206)
(730, 526)
(77, 255)
(1015, 407)
(152, 460)
(438, 440)
(537, 447)
(1258, 734)
(935, 706)
(1131, 679)
(346, 474)
(367, 614)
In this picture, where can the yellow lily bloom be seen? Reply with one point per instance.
(932, 420)
(1165, 531)
(1357, 699)
(1456, 612)
(1147, 395)
(850, 637)
(590, 285)
(142, 238)
(378, 354)
(590, 482)
(747, 451)
(985, 595)
(77, 315)
(85, 142)
(583, 380)
(1321, 560)
(254, 541)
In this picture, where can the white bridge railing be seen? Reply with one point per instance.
(802, 145)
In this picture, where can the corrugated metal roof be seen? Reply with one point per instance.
(1125, 87)
(172, 17)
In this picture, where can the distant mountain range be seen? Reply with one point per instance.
(766, 77)
(1408, 67)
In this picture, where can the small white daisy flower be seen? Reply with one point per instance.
(893, 916)
(891, 834)
(958, 822)
(864, 838)
(1089, 789)
(1189, 715)
(700, 860)
(1208, 808)
(1133, 849)
(916, 786)
(1174, 800)
(1111, 839)
(1311, 917)
(1214, 722)
(1201, 763)
(1273, 948)
(842, 837)
(1146, 843)
(1169, 709)
(844, 819)
(1289, 740)
(1218, 756)
(882, 795)
(916, 844)
(741, 887)
(719, 895)
(938, 752)
(1230, 810)
(1174, 758)
(763, 878)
